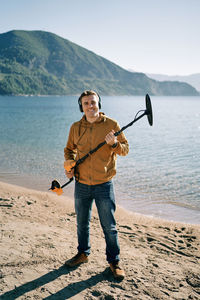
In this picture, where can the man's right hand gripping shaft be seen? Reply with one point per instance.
(69, 170)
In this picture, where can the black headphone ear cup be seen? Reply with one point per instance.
(81, 108)
(99, 101)
(80, 105)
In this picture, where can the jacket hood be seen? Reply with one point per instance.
(85, 123)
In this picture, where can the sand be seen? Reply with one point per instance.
(161, 259)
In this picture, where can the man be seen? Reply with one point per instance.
(94, 177)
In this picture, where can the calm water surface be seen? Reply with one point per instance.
(160, 176)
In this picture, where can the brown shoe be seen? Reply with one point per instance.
(117, 271)
(76, 260)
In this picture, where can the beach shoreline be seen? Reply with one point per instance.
(173, 212)
(39, 234)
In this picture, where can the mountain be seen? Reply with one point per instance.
(39, 62)
(193, 79)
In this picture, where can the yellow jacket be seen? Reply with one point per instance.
(99, 167)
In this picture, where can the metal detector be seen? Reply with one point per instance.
(55, 185)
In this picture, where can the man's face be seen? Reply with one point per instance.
(90, 105)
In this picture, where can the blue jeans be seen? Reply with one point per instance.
(103, 194)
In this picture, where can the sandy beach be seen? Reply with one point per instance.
(38, 234)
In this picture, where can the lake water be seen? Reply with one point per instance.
(160, 176)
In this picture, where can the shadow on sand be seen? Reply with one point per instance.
(67, 292)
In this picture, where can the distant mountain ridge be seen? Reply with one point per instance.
(42, 63)
(192, 79)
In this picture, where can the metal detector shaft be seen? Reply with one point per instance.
(70, 180)
(130, 124)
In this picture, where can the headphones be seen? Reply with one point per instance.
(88, 93)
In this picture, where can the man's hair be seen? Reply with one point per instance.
(88, 93)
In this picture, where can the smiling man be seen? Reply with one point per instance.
(94, 177)
(90, 107)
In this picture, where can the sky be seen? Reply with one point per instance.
(149, 36)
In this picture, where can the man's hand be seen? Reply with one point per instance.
(69, 170)
(110, 138)
(69, 174)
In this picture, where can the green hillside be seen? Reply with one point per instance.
(42, 63)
